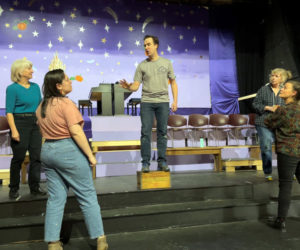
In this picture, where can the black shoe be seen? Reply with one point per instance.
(145, 168)
(279, 223)
(163, 167)
(14, 194)
(38, 191)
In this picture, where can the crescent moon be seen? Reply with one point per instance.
(147, 20)
(112, 13)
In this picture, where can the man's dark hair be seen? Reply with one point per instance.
(154, 38)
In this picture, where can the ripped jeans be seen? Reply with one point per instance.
(161, 112)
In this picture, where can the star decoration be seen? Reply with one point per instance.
(72, 15)
(91, 49)
(169, 49)
(194, 40)
(106, 28)
(35, 33)
(137, 43)
(80, 44)
(50, 45)
(138, 16)
(106, 55)
(161, 52)
(131, 52)
(11, 9)
(103, 40)
(63, 23)
(49, 24)
(130, 28)
(82, 29)
(37, 52)
(42, 8)
(70, 51)
(56, 4)
(20, 35)
(7, 25)
(118, 63)
(1, 10)
(119, 45)
(173, 27)
(31, 18)
(44, 19)
(60, 39)
(10, 46)
(16, 3)
(136, 64)
(95, 21)
(90, 10)
(180, 37)
(188, 27)
(186, 50)
(74, 9)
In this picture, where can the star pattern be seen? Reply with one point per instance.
(49, 24)
(50, 45)
(31, 18)
(1, 10)
(63, 23)
(107, 28)
(60, 39)
(119, 45)
(137, 43)
(80, 44)
(82, 29)
(35, 33)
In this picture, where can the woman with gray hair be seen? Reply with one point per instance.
(265, 103)
(22, 99)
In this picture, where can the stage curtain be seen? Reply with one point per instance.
(223, 78)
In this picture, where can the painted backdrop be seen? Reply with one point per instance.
(102, 41)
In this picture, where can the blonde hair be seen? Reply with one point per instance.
(285, 74)
(18, 67)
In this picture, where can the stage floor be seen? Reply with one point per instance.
(182, 180)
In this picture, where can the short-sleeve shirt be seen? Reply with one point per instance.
(154, 75)
(22, 100)
(61, 114)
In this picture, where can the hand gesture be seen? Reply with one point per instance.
(124, 84)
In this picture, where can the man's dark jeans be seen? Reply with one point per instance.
(287, 167)
(161, 112)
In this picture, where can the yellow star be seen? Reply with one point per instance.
(74, 9)
(131, 52)
(95, 21)
(103, 40)
(20, 36)
(37, 52)
(11, 9)
(101, 73)
(7, 25)
(72, 15)
(130, 28)
(118, 63)
(44, 19)
(80, 61)
(161, 52)
(60, 39)
(70, 51)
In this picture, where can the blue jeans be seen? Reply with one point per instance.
(266, 138)
(66, 166)
(161, 112)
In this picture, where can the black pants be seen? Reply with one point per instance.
(31, 140)
(287, 167)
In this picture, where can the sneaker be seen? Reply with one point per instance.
(14, 194)
(269, 178)
(163, 167)
(278, 223)
(38, 191)
(145, 168)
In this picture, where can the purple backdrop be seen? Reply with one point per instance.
(103, 42)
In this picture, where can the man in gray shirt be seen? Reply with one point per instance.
(156, 73)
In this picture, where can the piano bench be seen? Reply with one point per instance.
(85, 103)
